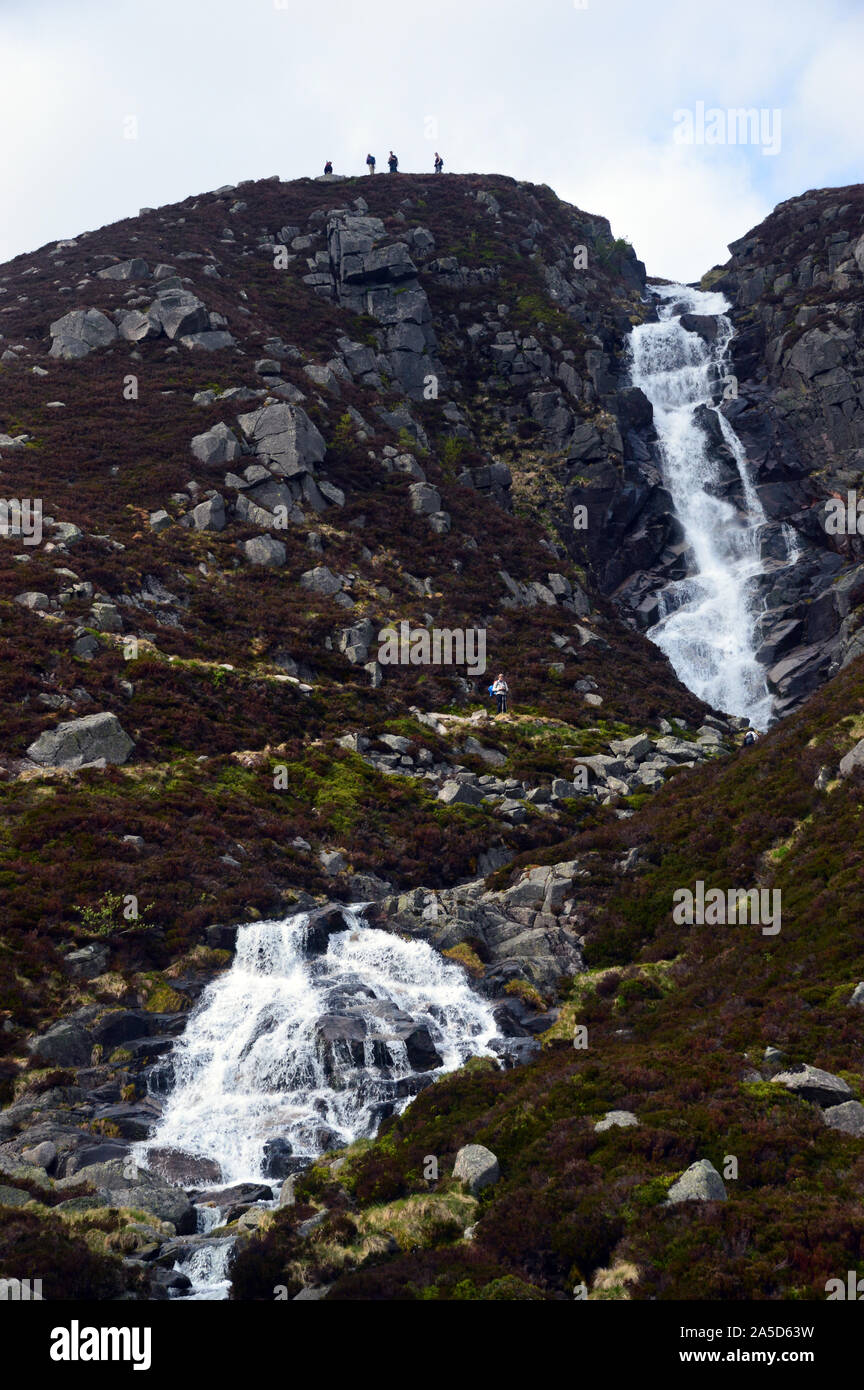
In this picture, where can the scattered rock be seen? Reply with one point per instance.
(476, 1167)
(700, 1183)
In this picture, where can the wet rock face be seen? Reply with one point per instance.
(368, 1034)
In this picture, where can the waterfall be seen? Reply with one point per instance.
(707, 622)
(296, 1050)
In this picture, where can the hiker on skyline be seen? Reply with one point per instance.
(393, 163)
(439, 163)
(370, 163)
(328, 167)
(501, 690)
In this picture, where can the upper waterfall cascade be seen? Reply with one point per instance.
(708, 619)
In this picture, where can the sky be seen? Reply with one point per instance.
(107, 106)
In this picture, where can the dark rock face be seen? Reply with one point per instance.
(797, 290)
(363, 1035)
(184, 1170)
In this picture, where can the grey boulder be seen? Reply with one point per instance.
(264, 550)
(848, 1118)
(209, 515)
(79, 741)
(699, 1183)
(78, 333)
(216, 446)
(286, 437)
(178, 313)
(813, 1084)
(134, 269)
(476, 1167)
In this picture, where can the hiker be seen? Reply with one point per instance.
(439, 163)
(370, 163)
(328, 167)
(501, 689)
(750, 738)
(392, 163)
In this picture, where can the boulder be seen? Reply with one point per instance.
(134, 269)
(813, 1084)
(700, 1183)
(624, 1118)
(286, 437)
(321, 924)
(853, 759)
(120, 1184)
(87, 962)
(135, 327)
(848, 1117)
(264, 550)
(78, 333)
(179, 312)
(210, 341)
(79, 741)
(476, 1167)
(182, 1169)
(216, 446)
(322, 581)
(67, 1044)
(209, 515)
(425, 499)
(461, 794)
(42, 1155)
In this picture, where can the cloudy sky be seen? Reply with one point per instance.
(110, 105)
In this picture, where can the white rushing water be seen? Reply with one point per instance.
(708, 619)
(251, 1066)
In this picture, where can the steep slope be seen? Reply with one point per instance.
(719, 1043)
(252, 509)
(264, 426)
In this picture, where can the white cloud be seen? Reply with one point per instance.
(581, 100)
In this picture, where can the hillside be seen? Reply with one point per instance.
(264, 426)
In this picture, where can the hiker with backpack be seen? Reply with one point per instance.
(500, 689)
(439, 163)
(328, 167)
(392, 163)
(370, 163)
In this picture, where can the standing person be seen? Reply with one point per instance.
(370, 163)
(439, 163)
(392, 163)
(328, 167)
(501, 689)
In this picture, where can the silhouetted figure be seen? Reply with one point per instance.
(439, 163)
(392, 163)
(328, 167)
(370, 163)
